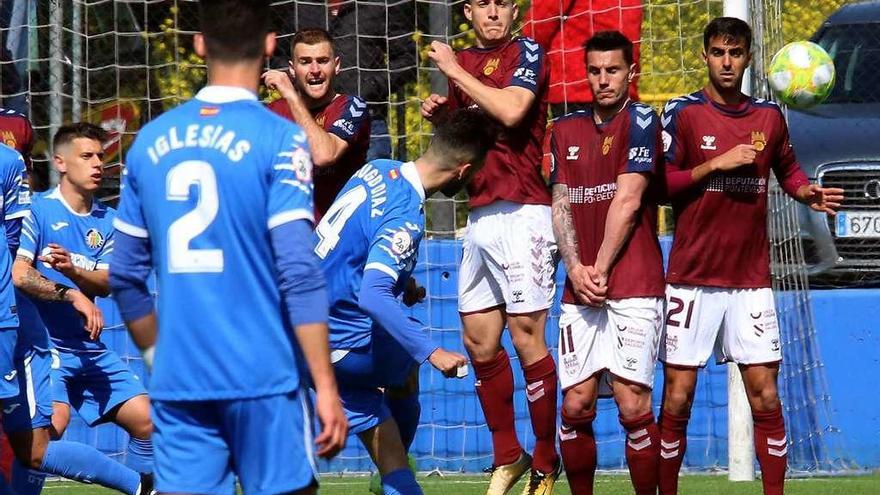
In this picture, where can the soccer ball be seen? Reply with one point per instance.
(801, 74)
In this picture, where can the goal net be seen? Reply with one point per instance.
(120, 63)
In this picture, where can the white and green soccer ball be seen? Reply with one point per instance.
(801, 74)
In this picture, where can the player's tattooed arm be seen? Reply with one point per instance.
(93, 283)
(563, 227)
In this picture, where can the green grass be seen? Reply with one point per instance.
(605, 485)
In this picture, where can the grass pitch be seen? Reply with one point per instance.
(605, 485)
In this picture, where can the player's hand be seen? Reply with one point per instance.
(739, 155)
(586, 290)
(432, 105)
(447, 362)
(334, 426)
(444, 56)
(280, 81)
(94, 319)
(597, 286)
(824, 199)
(59, 259)
(413, 293)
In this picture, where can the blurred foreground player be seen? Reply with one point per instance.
(508, 264)
(217, 200)
(605, 220)
(337, 126)
(720, 147)
(369, 241)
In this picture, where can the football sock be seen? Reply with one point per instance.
(401, 482)
(495, 390)
(541, 394)
(771, 446)
(140, 455)
(642, 452)
(578, 447)
(81, 462)
(26, 481)
(673, 442)
(406, 412)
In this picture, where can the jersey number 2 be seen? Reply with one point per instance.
(335, 218)
(182, 259)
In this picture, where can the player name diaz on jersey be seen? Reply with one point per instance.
(89, 240)
(587, 157)
(376, 223)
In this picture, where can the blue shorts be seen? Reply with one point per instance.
(32, 407)
(361, 374)
(92, 382)
(201, 446)
(8, 383)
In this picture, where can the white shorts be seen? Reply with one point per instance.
(746, 318)
(509, 259)
(621, 337)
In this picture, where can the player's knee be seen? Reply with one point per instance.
(764, 400)
(677, 400)
(633, 401)
(479, 349)
(141, 429)
(578, 402)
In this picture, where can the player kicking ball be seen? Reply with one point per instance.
(720, 147)
(217, 200)
(604, 162)
(369, 240)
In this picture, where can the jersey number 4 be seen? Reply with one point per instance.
(335, 219)
(181, 258)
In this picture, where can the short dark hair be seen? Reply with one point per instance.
(67, 133)
(729, 29)
(312, 36)
(234, 30)
(464, 135)
(606, 41)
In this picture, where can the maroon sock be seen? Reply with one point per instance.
(541, 394)
(642, 452)
(771, 446)
(578, 446)
(495, 390)
(673, 442)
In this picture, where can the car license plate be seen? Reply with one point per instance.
(858, 224)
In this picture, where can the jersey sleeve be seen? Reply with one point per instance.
(29, 243)
(785, 165)
(528, 67)
(130, 217)
(644, 130)
(395, 244)
(106, 252)
(16, 192)
(290, 187)
(351, 119)
(674, 151)
(558, 172)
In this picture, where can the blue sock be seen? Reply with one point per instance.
(406, 412)
(26, 481)
(401, 482)
(140, 455)
(84, 463)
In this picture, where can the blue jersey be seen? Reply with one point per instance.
(16, 203)
(376, 223)
(88, 237)
(206, 182)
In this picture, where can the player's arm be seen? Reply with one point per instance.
(16, 200)
(508, 105)
(795, 183)
(128, 283)
(93, 283)
(621, 219)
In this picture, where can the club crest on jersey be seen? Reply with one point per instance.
(758, 140)
(573, 152)
(9, 139)
(708, 143)
(490, 66)
(606, 144)
(94, 239)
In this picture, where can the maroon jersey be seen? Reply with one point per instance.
(587, 158)
(347, 118)
(512, 170)
(721, 223)
(16, 131)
